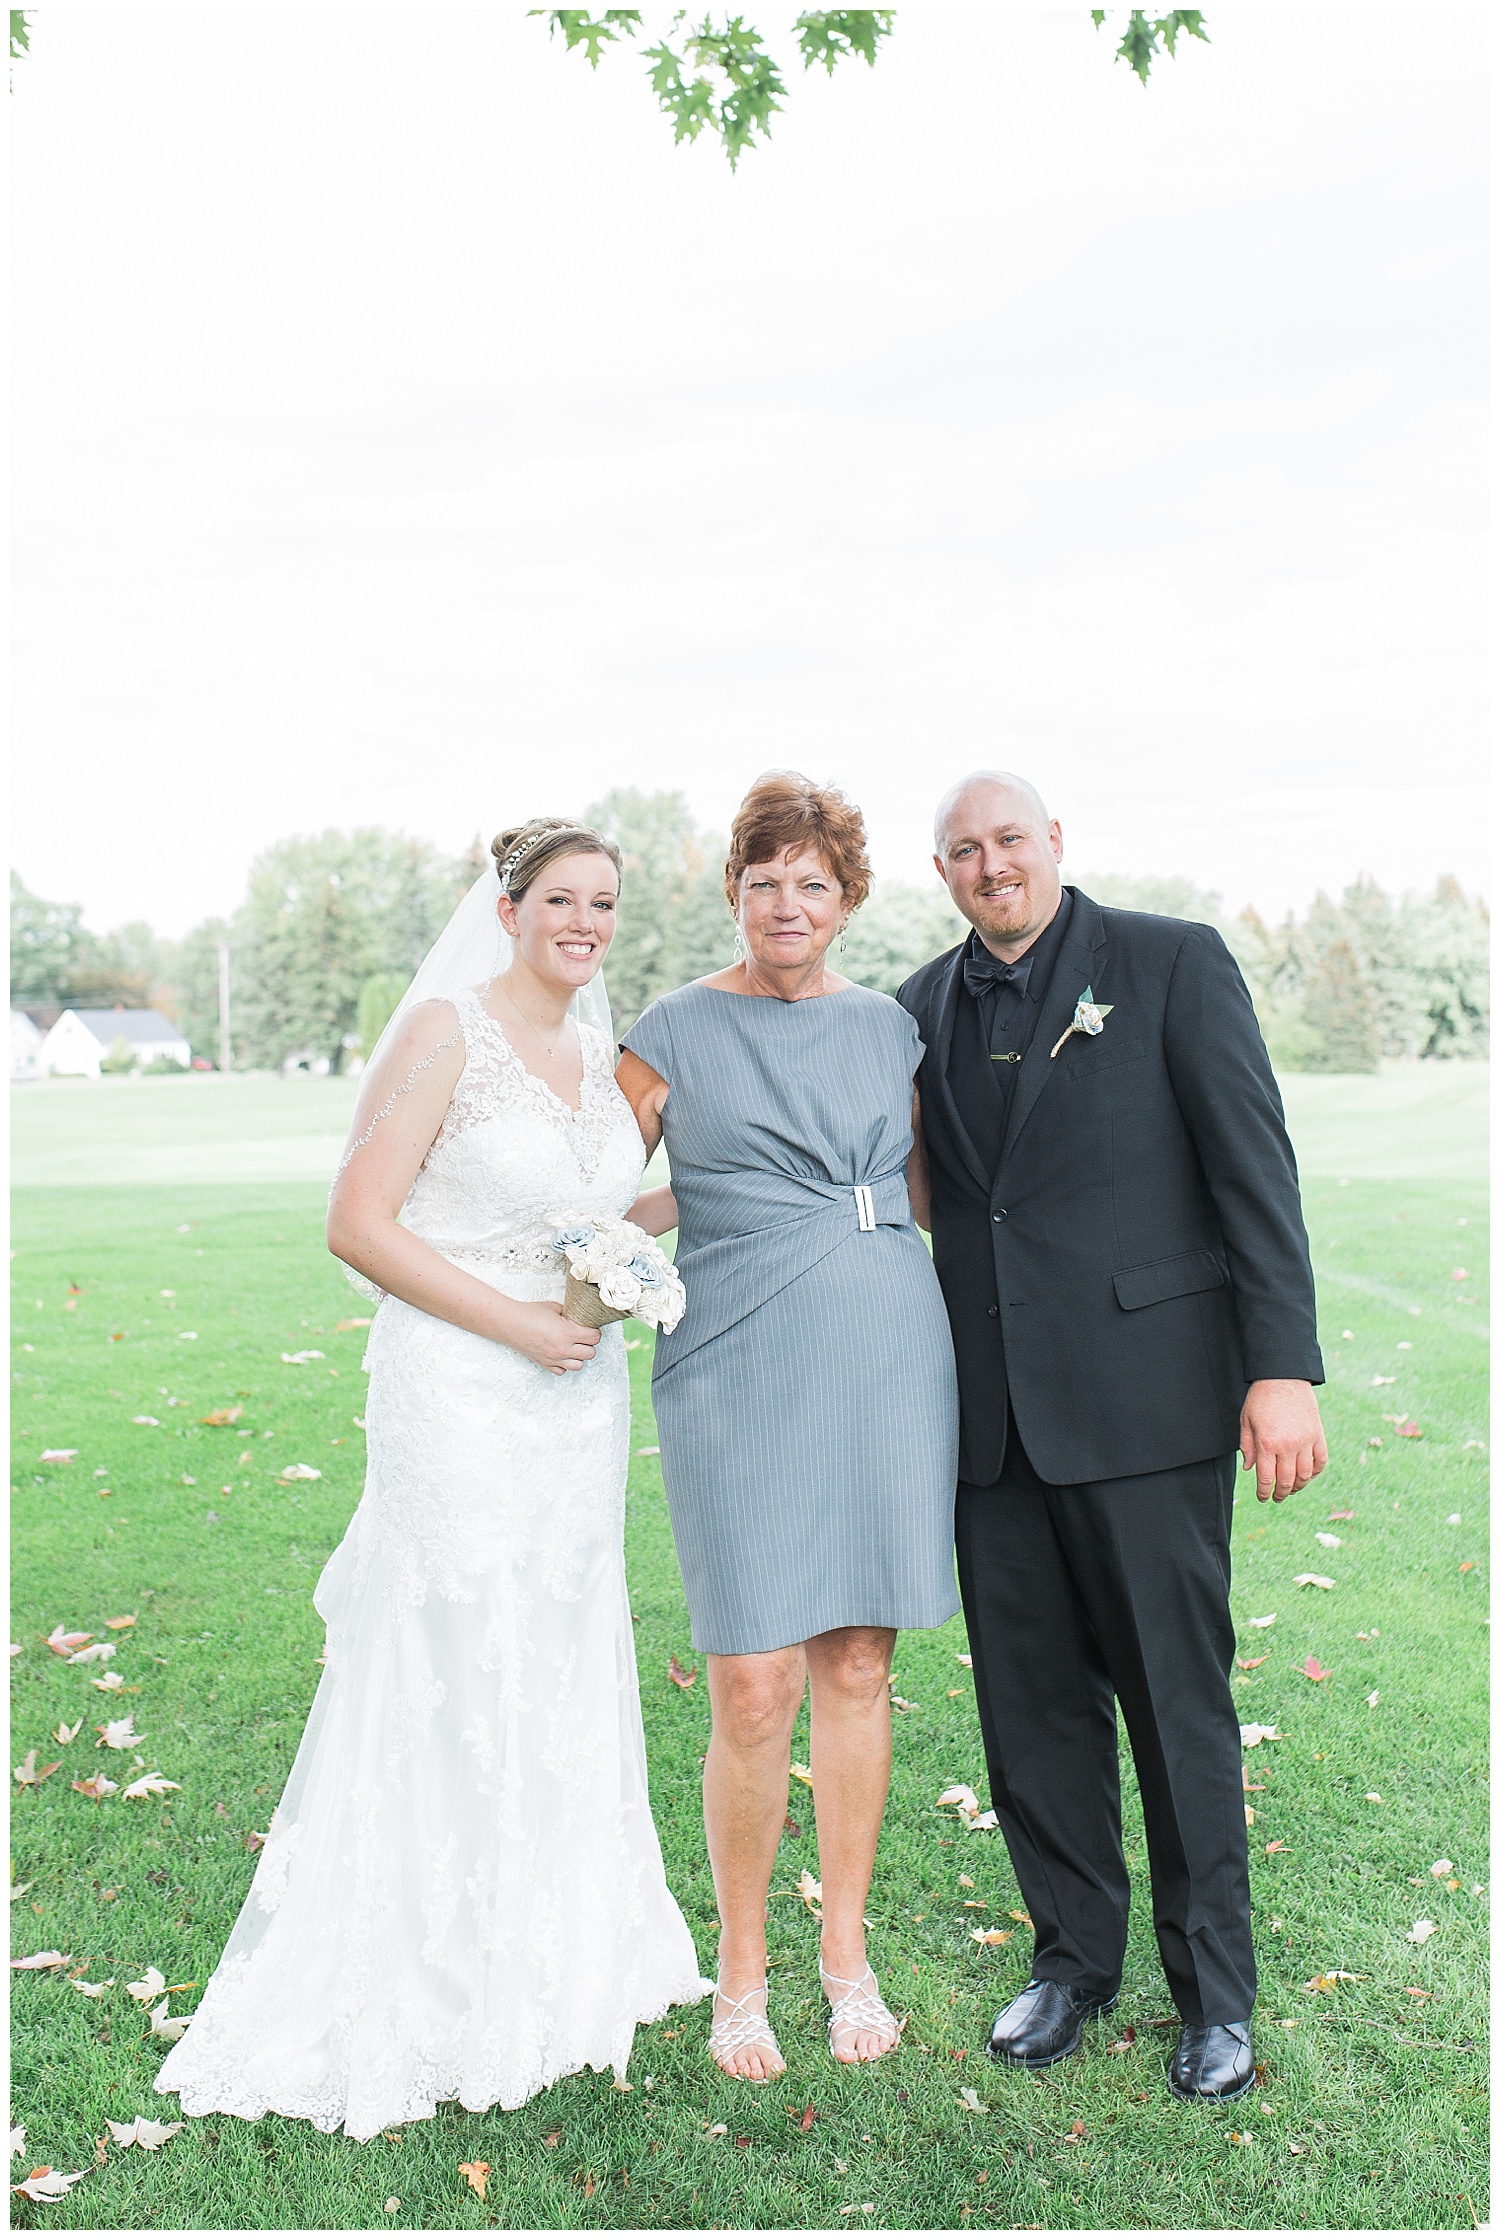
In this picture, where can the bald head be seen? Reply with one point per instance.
(1021, 798)
(999, 852)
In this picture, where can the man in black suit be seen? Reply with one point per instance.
(1117, 1230)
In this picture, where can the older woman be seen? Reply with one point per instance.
(806, 1402)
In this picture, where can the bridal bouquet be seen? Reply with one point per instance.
(614, 1270)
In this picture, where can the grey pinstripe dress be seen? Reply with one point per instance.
(807, 1404)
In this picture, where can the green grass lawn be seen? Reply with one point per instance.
(1371, 2111)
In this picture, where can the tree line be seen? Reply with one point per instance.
(333, 924)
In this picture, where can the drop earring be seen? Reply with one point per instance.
(843, 937)
(741, 953)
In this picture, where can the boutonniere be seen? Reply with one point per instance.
(1088, 1018)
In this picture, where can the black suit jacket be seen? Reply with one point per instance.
(1135, 1257)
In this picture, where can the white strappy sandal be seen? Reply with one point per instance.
(736, 2031)
(860, 2008)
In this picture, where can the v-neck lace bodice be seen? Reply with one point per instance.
(512, 1159)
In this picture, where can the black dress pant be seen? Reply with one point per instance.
(1076, 1596)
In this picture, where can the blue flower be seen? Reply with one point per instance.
(643, 1268)
(580, 1232)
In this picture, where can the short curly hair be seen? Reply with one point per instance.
(783, 810)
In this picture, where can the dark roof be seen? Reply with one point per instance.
(135, 1026)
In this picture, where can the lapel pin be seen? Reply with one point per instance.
(1088, 1018)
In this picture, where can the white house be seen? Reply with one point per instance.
(81, 1039)
(25, 1047)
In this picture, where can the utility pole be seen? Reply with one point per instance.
(224, 1050)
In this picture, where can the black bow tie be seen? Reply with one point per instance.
(984, 972)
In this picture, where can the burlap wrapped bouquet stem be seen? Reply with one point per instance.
(582, 1303)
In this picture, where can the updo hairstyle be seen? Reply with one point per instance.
(523, 851)
(784, 810)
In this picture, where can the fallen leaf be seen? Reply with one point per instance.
(91, 1990)
(1312, 1579)
(477, 2174)
(1373, 1698)
(111, 1682)
(98, 1653)
(1077, 2129)
(18, 2138)
(357, 1322)
(1340, 1516)
(962, 1659)
(1249, 1816)
(1278, 1845)
(648, 1450)
(309, 1353)
(218, 1416)
(1460, 1275)
(1420, 1931)
(29, 1774)
(961, 1795)
(717, 2131)
(59, 1454)
(1252, 1736)
(1018, 1913)
(153, 1421)
(295, 1471)
(151, 1986)
(44, 1960)
(63, 1644)
(1408, 1430)
(809, 2117)
(64, 1733)
(1124, 2042)
(1463, 1567)
(899, 1703)
(168, 2026)
(144, 2132)
(150, 1785)
(966, 1882)
(801, 1773)
(1268, 1620)
(119, 1734)
(810, 1892)
(98, 1786)
(676, 1672)
(1315, 1671)
(1439, 1868)
(1328, 1540)
(1413, 1991)
(18, 1890)
(857, 2208)
(1242, 2138)
(47, 2184)
(1329, 1981)
(1248, 1664)
(991, 1936)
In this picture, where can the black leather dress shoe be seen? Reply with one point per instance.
(1043, 2024)
(1213, 2061)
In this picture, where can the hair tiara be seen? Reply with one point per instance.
(521, 851)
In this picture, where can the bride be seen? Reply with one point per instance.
(461, 1896)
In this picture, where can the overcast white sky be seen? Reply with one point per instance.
(409, 434)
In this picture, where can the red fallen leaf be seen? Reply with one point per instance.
(675, 1672)
(809, 2117)
(789, 1827)
(1248, 1664)
(1408, 1431)
(1125, 2040)
(1077, 2129)
(1316, 1671)
(1278, 1845)
(253, 1841)
(742, 2142)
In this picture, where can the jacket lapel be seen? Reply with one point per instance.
(1080, 964)
(942, 1050)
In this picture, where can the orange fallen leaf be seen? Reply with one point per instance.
(63, 1644)
(809, 2117)
(98, 1786)
(1278, 1845)
(1017, 1915)
(477, 2174)
(675, 1672)
(1408, 1431)
(1248, 1664)
(117, 1625)
(1465, 1567)
(29, 1773)
(1316, 1671)
(222, 1416)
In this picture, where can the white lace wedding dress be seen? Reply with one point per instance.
(461, 1896)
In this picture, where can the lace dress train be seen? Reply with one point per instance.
(461, 1895)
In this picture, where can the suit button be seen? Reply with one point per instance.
(1002, 1215)
(992, 1312)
